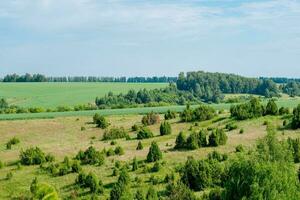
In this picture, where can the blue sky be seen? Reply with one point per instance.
(136, 37)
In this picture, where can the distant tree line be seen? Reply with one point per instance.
(211, 86)
(281, 80)
(42, 78)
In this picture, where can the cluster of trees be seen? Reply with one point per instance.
(100, 121)
(201, 139)
(267, 172)
(201, 113)
(43, 190)
(254, 108)
(210, 87)
(42, 78)
(34, 156)
(155, 97)
(292, 88)
(150, 119)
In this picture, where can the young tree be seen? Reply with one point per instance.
(154, 153)
(165, 128)
(296, 118)
(139, 195)
(180, 142)
(271, 108)
(151, 194)
(139, 146)
(121, 189)
(135, 164)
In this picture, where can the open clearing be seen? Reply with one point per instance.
(62, 137)
(51, 95)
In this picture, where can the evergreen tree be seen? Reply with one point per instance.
(139, 146)
(165, 128)
(180, 141)
(154, 153)
(135, 164)
(296, 118)
(271, 108)
(151, 194)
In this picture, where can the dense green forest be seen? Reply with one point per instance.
(42, 78)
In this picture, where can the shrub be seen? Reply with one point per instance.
(284, 111)
(11, 142)
(156, 167)
(9, 176)
(179, 191)
(239, 148)
(139, 146)
(231, 126)
(151, 194)
(217, 137)
(100, 121)
(76, 167)
(215, 155)
(241, 131)
(114, 133)
(119, 151)
(82, 128)
(110, 152)
(150, 119)
(165, 128)
(139, 195)
(198, 175)
(296, 118)
(201, 113)
(113, 142)
(43, 191)
(32, 156)
(154, 153)
(180, 142)
(271, 108)
(90, 156)
(135, 164)
(144, 133)
(90, 181)
(294, 146)
(170, 115)
(1, 164)
(50, 158)
(121, 190)
(135, 127)
(251, 109)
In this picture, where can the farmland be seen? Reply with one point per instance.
(51, 95)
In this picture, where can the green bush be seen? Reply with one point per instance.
(180, 142)
(135, 164)
(121, 189)
(239, 148)
(9, 176)
(144, 133)
(135, 127)
(251, 109)
(165, 128)
(11, 142)
(119, 151)
(76, 167)
(90, 181)
(215, 155)
(170, 115)
(1, 164)
(151, 194)
(100, 121)
(110, 152)
(284, 111)
(231, 126)
(32, 156)
(296, 118)
(150, 119)
(156, 167)
(154, 153)
(139, 146)
(217, 137)
(201, 113)
(91, 156)
(271, 108)
(114, 133)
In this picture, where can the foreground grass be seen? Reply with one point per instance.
(62, 137)
(51, 95)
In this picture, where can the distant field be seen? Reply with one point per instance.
(51, 95)
(285, 102)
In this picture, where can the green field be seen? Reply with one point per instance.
(51, 95)
(285, 102)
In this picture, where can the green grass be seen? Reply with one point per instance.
(286, 102)
(63, 137)
(51, 95)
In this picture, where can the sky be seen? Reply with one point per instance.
(146, 38)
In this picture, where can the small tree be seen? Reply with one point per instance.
(165, 128)
(170, 115)
(150, 119)
(154, 153)
(139, 146)
(119, 151)
(144, 133)
(180, 141)
(121, 189)
(192, 142)
(139, 195)
(296, 118)
(271, 108)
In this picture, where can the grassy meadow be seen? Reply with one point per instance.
(51, 95)
(62, 136)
